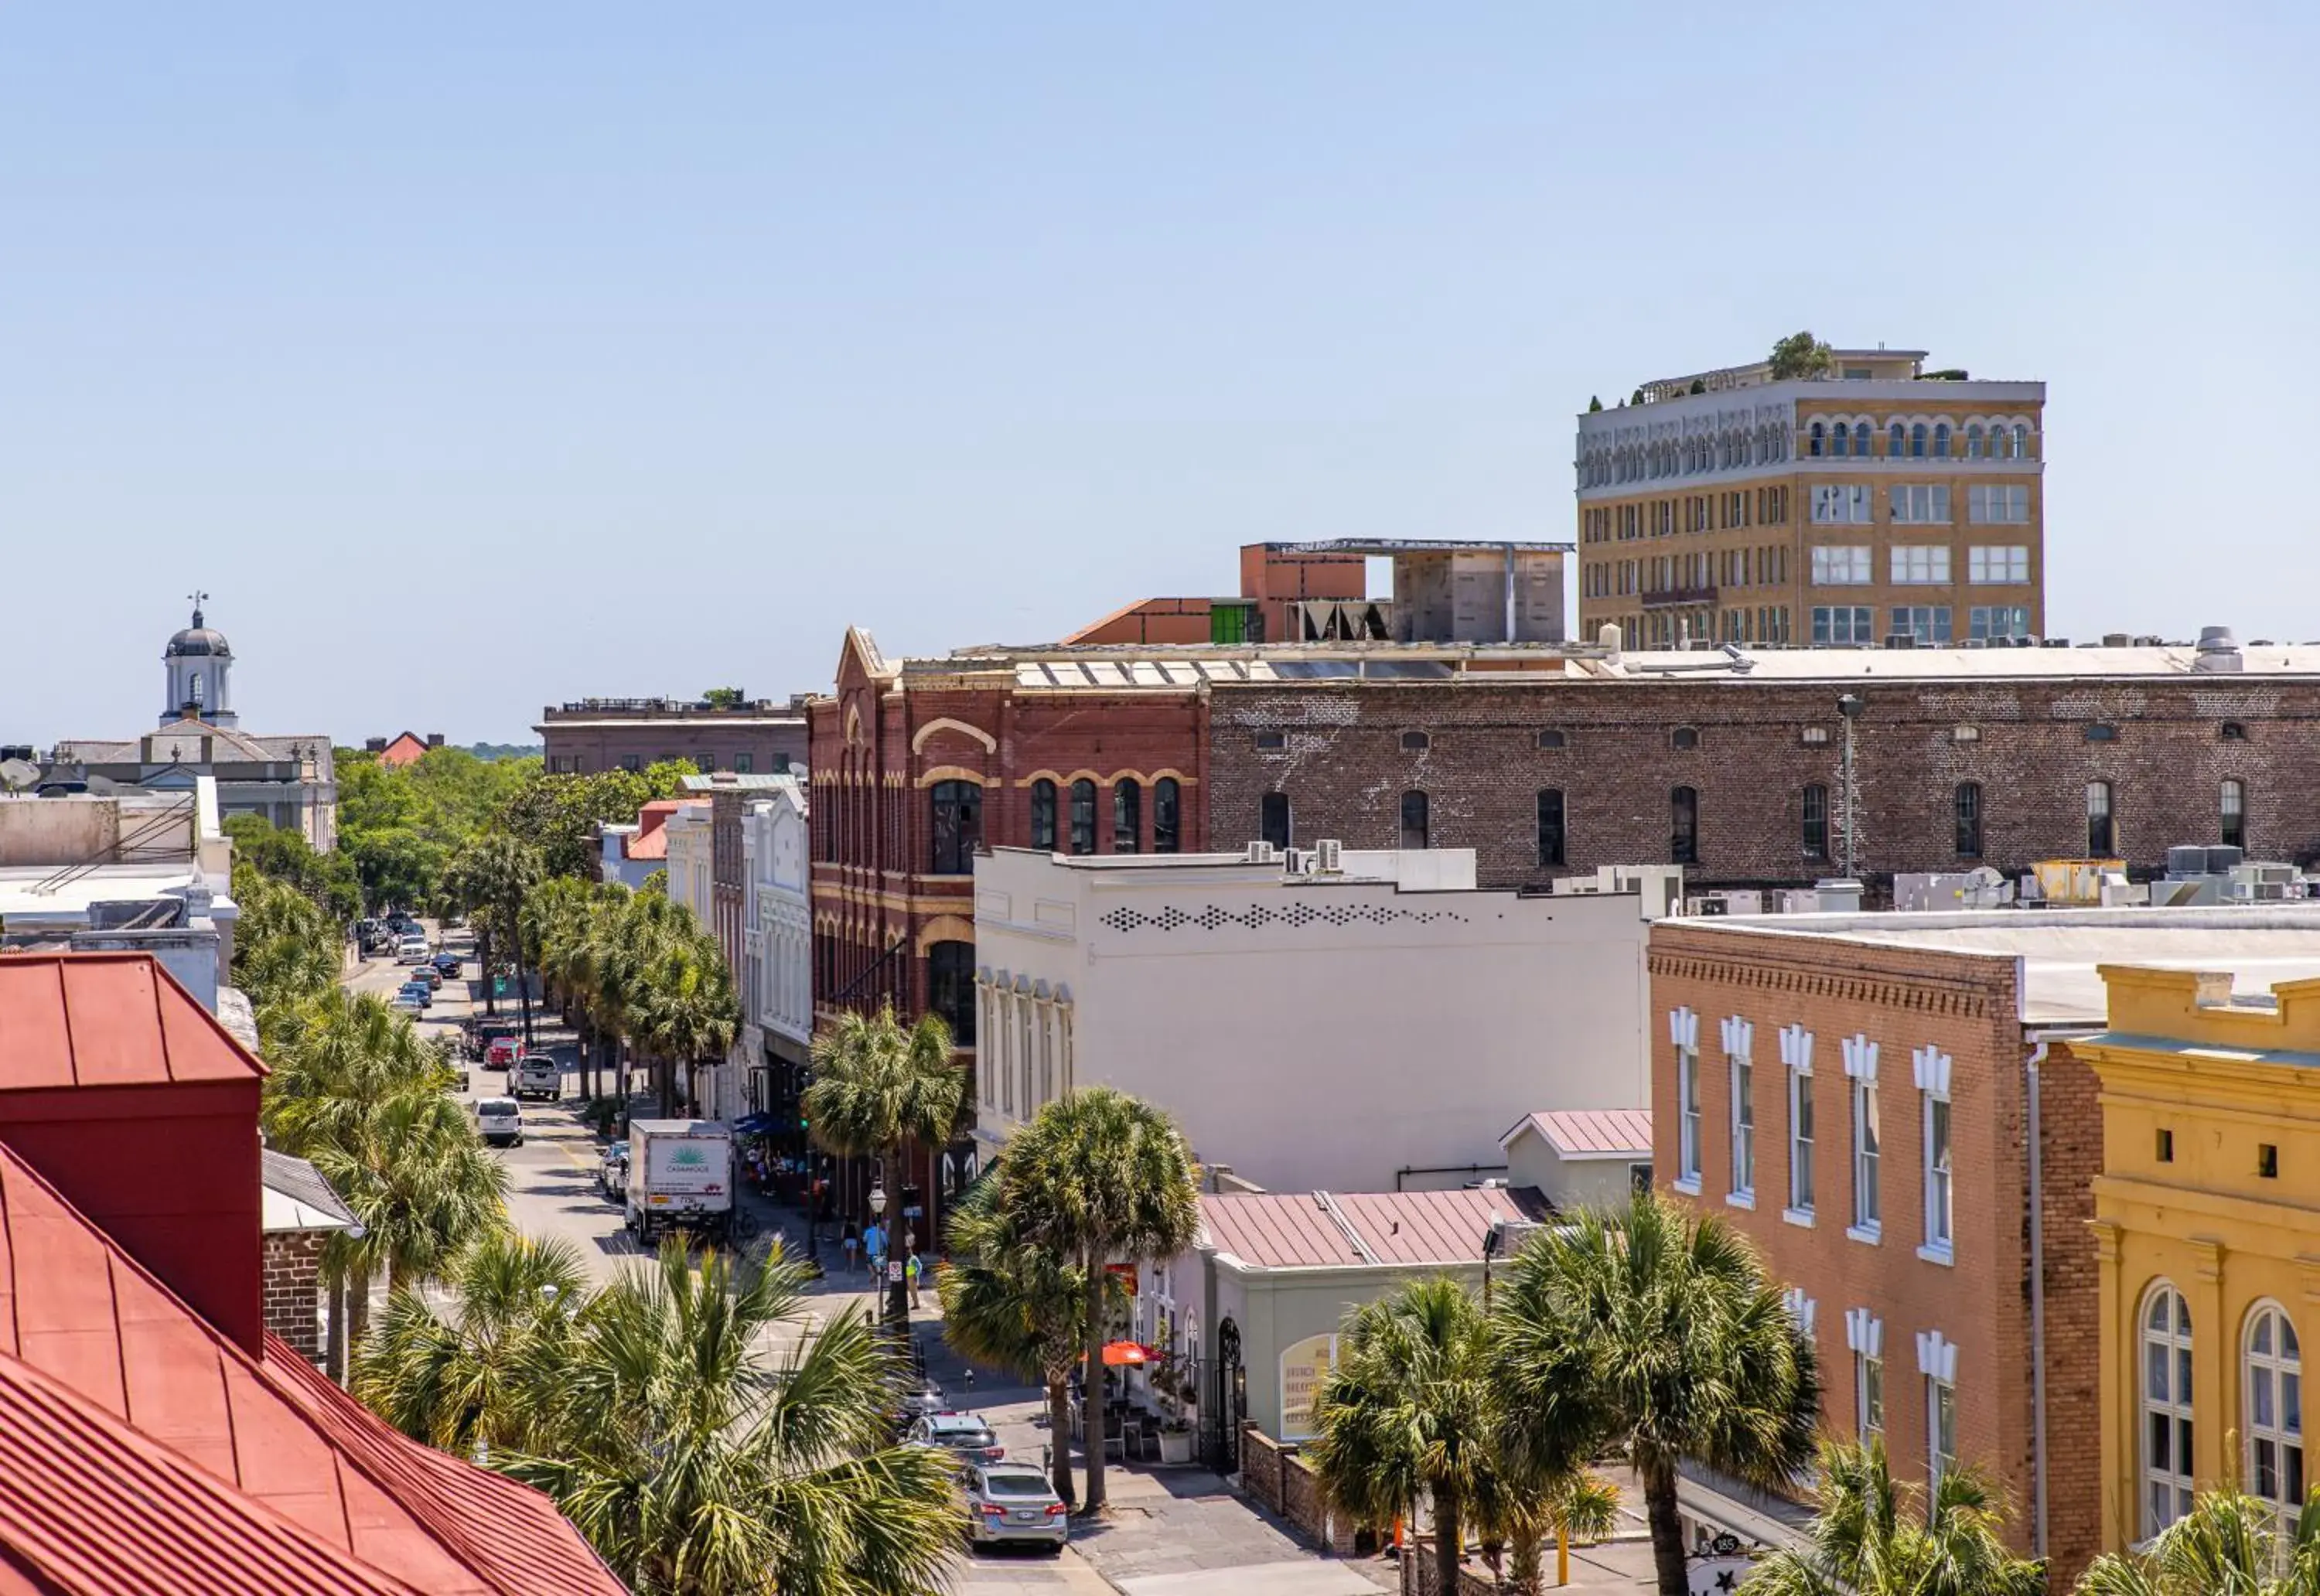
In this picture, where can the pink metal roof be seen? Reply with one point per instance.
(1592, 1133)
(106, 1019)
(1283, 1230)
(651, 840)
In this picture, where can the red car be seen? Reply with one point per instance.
(500, 1054)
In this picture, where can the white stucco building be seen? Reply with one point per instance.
(777, 994)
(1367, 1029)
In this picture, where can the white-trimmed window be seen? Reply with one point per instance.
(1937, 1362)
(1844, 625)
(1921, 503)
(1996, 503)
(1739, 1039)
(2273, 1380)
(1683, 1030)
(1836, 503)
(1992, 624)
(1795, 1059)
(1864, 1334)
(1997, 563)
(1843, 565)
(1933, 1073)
(2166, 1450)
(1920, 565)
(1861, 1071)
(1802, 1310)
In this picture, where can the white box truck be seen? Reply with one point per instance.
(680, 1174)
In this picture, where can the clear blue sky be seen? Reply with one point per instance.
(478, 356)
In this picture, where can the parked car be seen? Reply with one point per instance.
(406, 1003)
(613, 1171)
(536, 1074)
(432, 976)
(966, 1436)
(499, 1120)
(500, 1052)
(480, 1032)
(419, 990)
(1014, 1502)
(412, 950)
(447, 965)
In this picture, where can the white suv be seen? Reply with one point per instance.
(499, 1120)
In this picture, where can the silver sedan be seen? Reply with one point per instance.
(1011, 1503)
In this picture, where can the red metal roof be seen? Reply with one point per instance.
(1280, 1230)
(77, 1310)
(1590, 1133)
(406, 749)
(106, 1019)
(652, 839)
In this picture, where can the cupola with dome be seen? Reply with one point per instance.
(199, 663)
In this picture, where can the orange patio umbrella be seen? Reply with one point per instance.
(1127, 1354)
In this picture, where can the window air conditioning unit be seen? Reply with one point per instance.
(1330, 855)
(1263, 853)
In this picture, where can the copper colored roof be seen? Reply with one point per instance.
(106, 1019)
(78, 1311)
(651, 840)
(1355, 1229)
(408, 748)
(1590, 1133)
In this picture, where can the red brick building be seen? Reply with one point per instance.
(1889, 1106)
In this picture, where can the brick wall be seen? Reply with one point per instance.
(1903, 999)
(1419, 1579)
(1344, 768)
(2071, 1142)
(1261, 1457)
(294, 1264)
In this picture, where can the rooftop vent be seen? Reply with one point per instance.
(2218, 650)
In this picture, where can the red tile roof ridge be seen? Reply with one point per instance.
(91, 1506)
(385, 1461)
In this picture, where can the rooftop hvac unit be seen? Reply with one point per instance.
(1710, 903)
(1330, 855)
(1263, 853)
(1294, 863)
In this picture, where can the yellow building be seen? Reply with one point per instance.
(1881, 502)
(2208, 1228)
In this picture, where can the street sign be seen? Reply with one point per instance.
(894, 1271)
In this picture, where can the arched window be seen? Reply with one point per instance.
(2233, 803)
(1273, 818)
(1685, 736)
(1816, 437)
(2166, 1430)
(1897, 442)
(2273, 1380)
(1683, 826)
(1973, 441)
(2021, 442)
(1043, 814)
(1127, 815)
(956, 813)
(1941, 441)
(1550, 829)
(1416, 828)
(1415, 742)
(1860, 438)
(1083, 816)
(1553, 740)
(1167, 816)
(950, 988)
(1966, 804)
(1814, 817)
(2102, 836)
(1918, 441)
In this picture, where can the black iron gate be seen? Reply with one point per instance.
(1224, 1403)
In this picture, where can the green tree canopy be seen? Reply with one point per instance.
(1870, 1538)
(1800, 354)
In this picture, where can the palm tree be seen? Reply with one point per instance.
(490, 878)
(2230, 1544)
(696, 1460)
(627, 940)
(1410, 1413)
(465, 1380)
(1867, 1540)
(880, 1090)
(1016, 1306)
(687, 1011)
(1100, 1177)
(1656, 1336)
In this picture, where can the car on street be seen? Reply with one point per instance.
(968, 1437)
(418, 990)
(403, 1002)
(536, 1074)
(1012, 1503)
(412, 950)
(500, 1052)
(430, 974)
(923, 1398)
(447, 965)
(499, 1120)
(612, 1170)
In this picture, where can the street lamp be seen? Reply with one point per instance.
(1492, 1237)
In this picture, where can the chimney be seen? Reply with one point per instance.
(374, 745)
(434, 739)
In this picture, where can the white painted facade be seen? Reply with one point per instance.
(1312, 1030)
(689, 862)
(778, 921)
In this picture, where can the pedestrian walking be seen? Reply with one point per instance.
(873, 1245)
(911, 1269)
(852, 1241)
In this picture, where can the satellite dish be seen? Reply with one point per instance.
(16, 774)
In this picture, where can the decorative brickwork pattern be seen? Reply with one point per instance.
(294, 1297)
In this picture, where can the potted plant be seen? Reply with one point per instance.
(1176, 1441)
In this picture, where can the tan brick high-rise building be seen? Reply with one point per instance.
(1881, 502)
